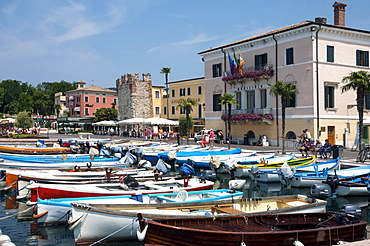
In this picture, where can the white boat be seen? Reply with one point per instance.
(91, 223)
(55, 211)
(50, 191)
(356, 187)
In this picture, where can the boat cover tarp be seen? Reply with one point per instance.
(164, 155)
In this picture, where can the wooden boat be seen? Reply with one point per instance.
(54, 211)
(306, 179)
(243, 171)
(93, 222)
(50, 191)
(324, 229)
(272, 176)
(34, 150)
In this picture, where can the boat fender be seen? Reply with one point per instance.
(297, 243)
(186, 182)
(38, 216)
(64, 156)
(141, 234)
(243, 244)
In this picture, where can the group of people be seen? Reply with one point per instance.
(209, 137)
(317, 148)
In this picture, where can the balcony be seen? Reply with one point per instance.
(254, 116)
(254, 73)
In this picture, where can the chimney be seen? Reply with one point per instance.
(320, 20)
(339, 13)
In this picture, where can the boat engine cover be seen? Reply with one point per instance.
(320, 191)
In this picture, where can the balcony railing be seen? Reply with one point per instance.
(249, 111)
(252, 73)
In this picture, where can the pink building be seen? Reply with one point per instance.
(84, 101)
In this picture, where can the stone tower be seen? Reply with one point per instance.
(134, 96)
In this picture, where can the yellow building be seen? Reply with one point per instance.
(158, 93)
(183, 89)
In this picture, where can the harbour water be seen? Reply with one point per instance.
(16, 217)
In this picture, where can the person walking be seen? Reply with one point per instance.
(211, 138)
(220, 136)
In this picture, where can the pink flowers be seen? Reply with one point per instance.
(266, 72)
(248, 117)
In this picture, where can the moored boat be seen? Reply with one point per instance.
(324, 229)
(93, 222)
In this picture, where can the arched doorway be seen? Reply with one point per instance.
(248, 136)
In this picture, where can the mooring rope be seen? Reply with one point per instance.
(8, 187)
(99, 241)
(5, 197)
(3, 218)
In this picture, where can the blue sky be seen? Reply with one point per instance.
(97, 41)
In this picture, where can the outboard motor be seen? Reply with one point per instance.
(333, 182)
(349, 212)
(254, 169)
(208, 175)
(320, 191)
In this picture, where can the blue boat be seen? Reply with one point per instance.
(166, 158)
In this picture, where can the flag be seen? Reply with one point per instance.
(236, 66)
(241, 62)
(231, 64)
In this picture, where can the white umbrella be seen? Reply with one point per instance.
(105, 123)
(133, 121)
(161, 121)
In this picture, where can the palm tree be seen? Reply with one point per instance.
(57, 107)
(228, 99)
(166, 71)
(286, 91)
(187, 105)
(360, 82)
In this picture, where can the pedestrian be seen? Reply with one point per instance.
(221, 136)
(211, 138)
(305, 147)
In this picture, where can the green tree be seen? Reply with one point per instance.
(106, 114)
(43, 103)
(358, 81)
(166, 71)
(25, 103)
(113, 105)
(12, 107)
(187, 106)
(183, 124)
(286, 92)
(23, 120)
(12, 92)
(228, 100)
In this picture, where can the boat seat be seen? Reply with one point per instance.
(290, 203)
(228, 210)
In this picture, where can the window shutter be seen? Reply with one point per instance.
(358, 58)
(326, 92)
(330, 53)
(331, 97)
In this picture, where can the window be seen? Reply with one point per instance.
(263, 98)
(329, 96)
(77, 99)
(97, 99)
(250, 99)
(173, 93)
(199, 90)
(182, 110)
(173, 110)
(104, 100)
(182, 92)
(260, 61)
(189, 91)
(216, 102)
(367, 101)
(290, 103)
(165, 110)
(238, 96)
(200, 110)
(216, 68)
(86, 99)
(86, 111)
(115, 101)
(362, 58)
(156, 94)
(289, 56)
(330, 53)
(156, 109)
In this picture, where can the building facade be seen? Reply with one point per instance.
(315, 56)
(85, 100)
(183, 89)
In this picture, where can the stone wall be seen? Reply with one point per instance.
(134, 96)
